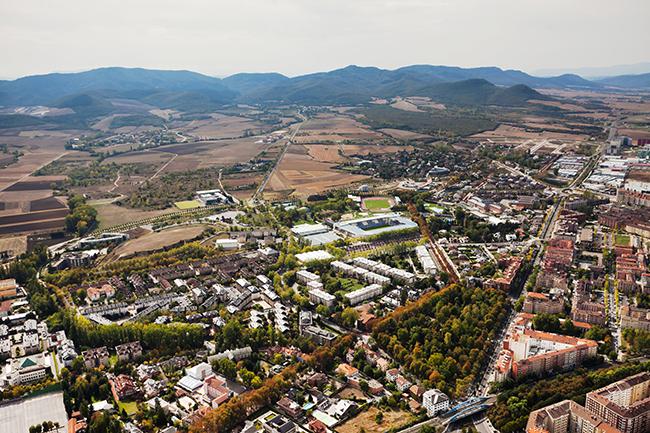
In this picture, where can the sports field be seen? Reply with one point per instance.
(187, 204)
(377, 203)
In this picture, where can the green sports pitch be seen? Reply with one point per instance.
(377, 203)
(188, 204)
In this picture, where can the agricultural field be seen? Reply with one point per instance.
(300, 174)
(32, 216)
(327, 128)
(220, 126)
(110, 214)
(204, 154)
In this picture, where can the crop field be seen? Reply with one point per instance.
(402, 134)
(513, 132)
(16, 244)
(367, 149)
(326, 152)
(39, 147)
(219, 126)
(404, 104)
(334, 128)
(204, 154)
(303, 175)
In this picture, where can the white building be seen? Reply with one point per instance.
(318, 296)
(311, 256)
(364, 294)
(227, 244)
(435, 402)
(304, 276)
(425, 259)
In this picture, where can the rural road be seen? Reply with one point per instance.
(20, 179)
(164, 166)
(260, 190)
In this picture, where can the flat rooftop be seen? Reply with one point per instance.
(375, 224)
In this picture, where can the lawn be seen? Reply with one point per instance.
(376, 203)
(350, 285)
(623, 240)
(187, 204)
(130, 407)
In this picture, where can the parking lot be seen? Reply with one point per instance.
(18, 417)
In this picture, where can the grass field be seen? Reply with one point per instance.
(378, 203)
(623, 240)
(187, 204)
(375, 204)
(365, 421)
(130, 407)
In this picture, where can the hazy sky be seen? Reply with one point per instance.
(299, 36)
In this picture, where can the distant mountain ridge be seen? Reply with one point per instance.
(640, 81)
(191, 91)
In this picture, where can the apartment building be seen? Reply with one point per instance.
(624, 404)
(536, 303)
(567, 417)
(535, 353)
(364, 294)
(435, 402)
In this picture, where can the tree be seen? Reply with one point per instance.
(379, 418)
(349, 316)
(546, 322)
(364, 386)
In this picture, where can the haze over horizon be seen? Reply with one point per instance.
(297, 37)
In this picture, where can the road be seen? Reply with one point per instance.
(270, 173)
(165, 165)
(483, 385)
(24, 177)
(485, 426)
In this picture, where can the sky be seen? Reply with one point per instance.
(293, 37)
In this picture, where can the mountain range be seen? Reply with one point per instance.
(89, 93)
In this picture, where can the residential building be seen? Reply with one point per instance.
(216, 390)
(279, 424)
(536, 303)
(289, 407)
(635, 318)
(93, 358)
(364, 294)
(8, 288)
(123, 386)
(624, 404)
(129, 351)
(435, 402)
(317, 296)
(567, 417)
(536, 353)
